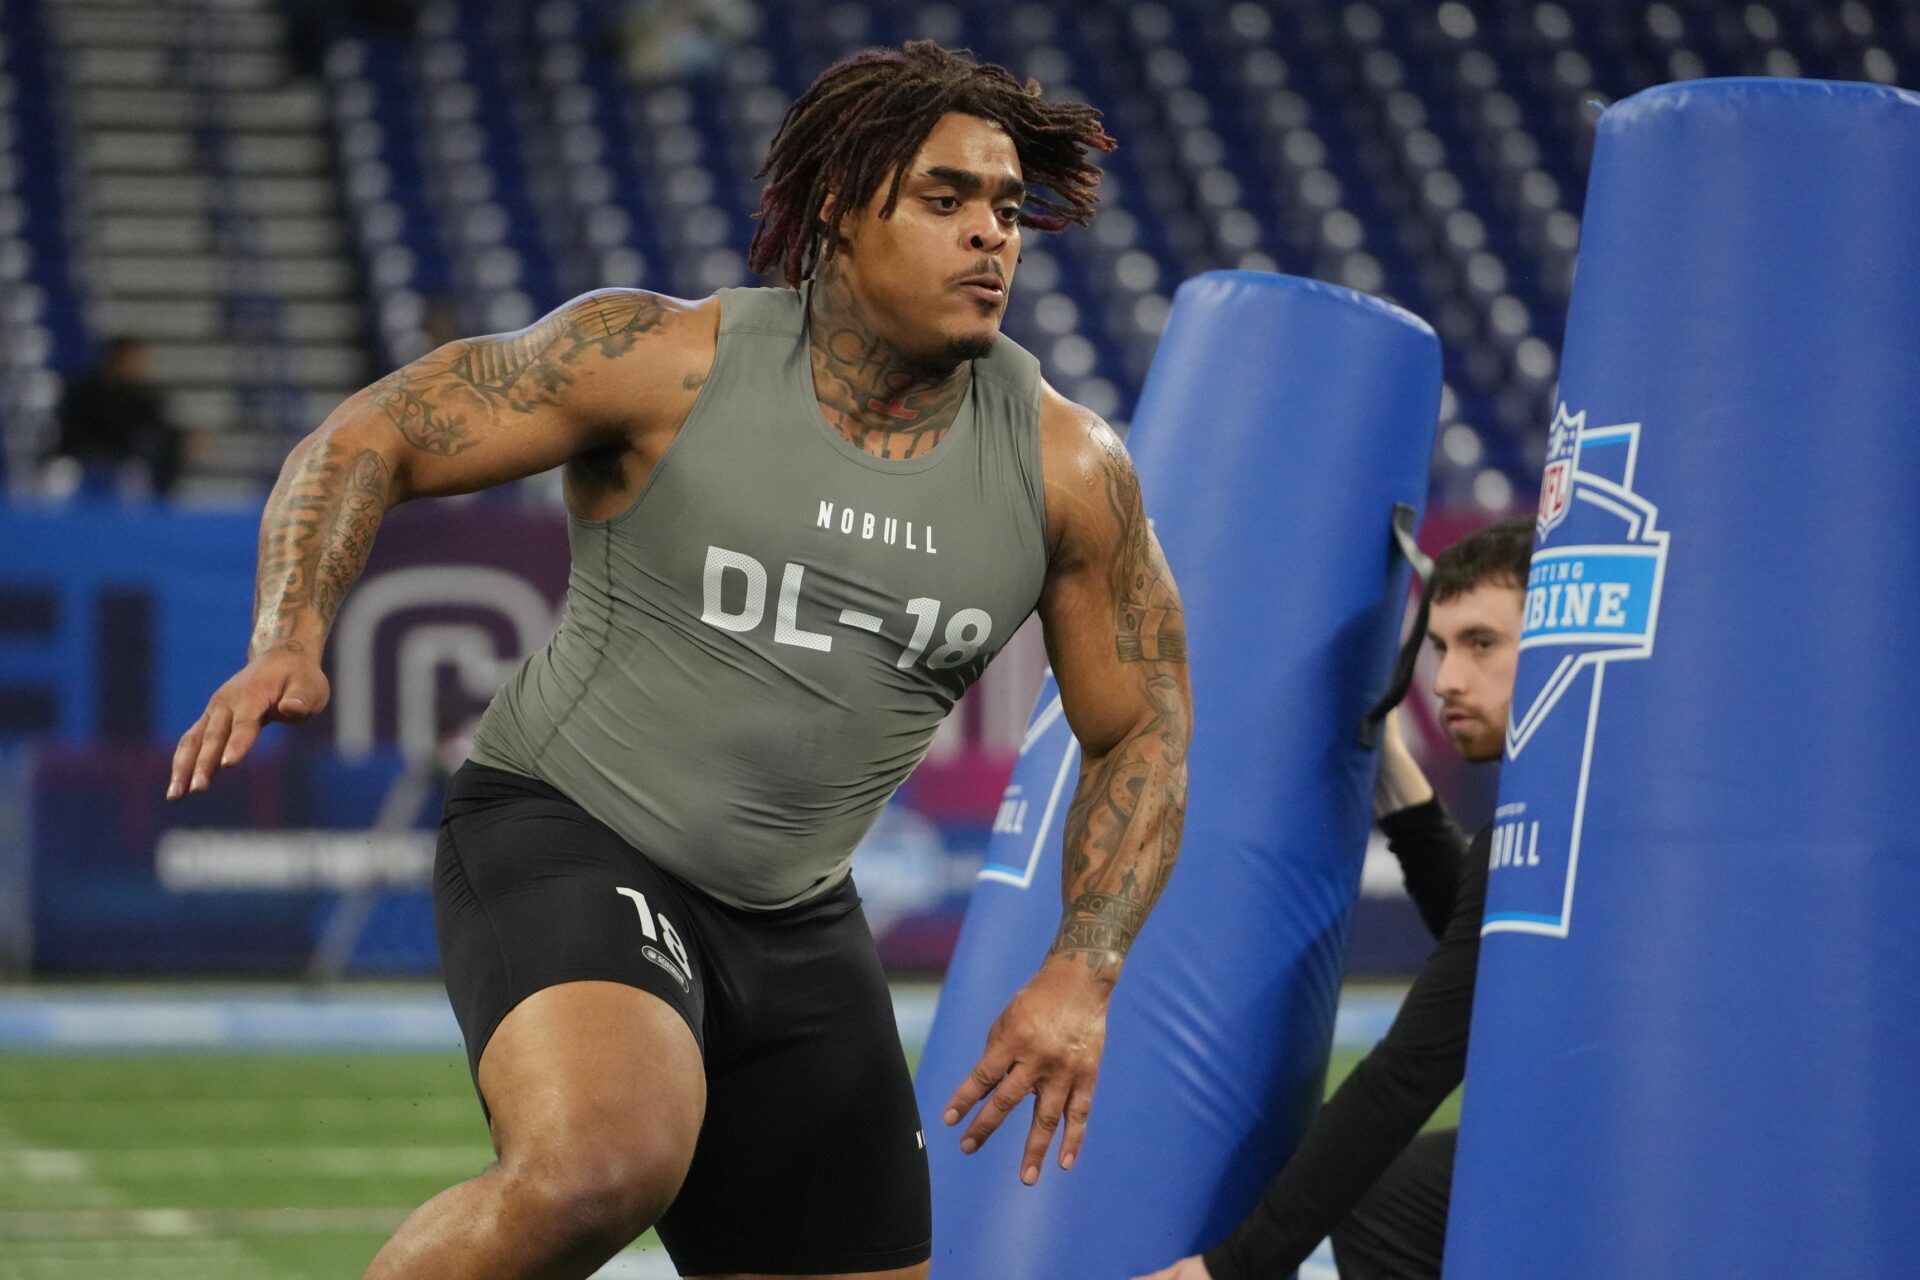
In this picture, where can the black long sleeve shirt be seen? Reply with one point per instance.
(1431, 851)
(1396, 1088)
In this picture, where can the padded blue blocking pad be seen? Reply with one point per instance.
(1280, 423)
(1698, 1015)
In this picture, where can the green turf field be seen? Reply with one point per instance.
(223, 1166)
(217, 1166)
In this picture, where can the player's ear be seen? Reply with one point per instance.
(833, 220)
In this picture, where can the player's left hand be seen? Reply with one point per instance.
(1185, 1269)
(1047, 1042)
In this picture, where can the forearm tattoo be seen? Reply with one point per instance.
(1123, 828)
(320, 520)
(445, 402)
(315, 538)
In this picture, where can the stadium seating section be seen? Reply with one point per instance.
(283, 235)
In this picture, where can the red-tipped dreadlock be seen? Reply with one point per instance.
(867, 115)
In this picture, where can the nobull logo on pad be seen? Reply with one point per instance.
(1593, 598)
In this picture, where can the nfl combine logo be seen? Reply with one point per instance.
(1592, 601)
(1563, 459)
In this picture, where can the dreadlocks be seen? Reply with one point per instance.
(867, 115)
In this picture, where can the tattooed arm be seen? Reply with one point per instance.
(602, 383)
(1117, 638)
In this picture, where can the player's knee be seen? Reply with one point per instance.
(596, 1196)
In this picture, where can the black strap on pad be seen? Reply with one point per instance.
(1403, 518)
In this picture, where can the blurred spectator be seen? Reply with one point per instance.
(113, 421)
(310, 25)
(668, 40)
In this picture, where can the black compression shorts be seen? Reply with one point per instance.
(810, 1159)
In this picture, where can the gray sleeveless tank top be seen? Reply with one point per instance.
(757, 652)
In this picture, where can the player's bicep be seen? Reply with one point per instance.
(1116, 632)
(484, 411)
(1077, 623)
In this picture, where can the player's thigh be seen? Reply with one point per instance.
(575, 970)
(530, 891)
(812, 1161)
(584, 1066)
(596, 1092)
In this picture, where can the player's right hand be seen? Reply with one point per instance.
(279, 685)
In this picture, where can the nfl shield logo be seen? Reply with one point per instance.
(1563, 459)
(1556, 487)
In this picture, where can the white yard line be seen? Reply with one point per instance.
(191, 1250)
(155, 1242)
(58, 1165)
(96, 1233)
(61, 1224)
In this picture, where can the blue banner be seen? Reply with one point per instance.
(118, 622)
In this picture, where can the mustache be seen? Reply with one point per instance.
(984, 267)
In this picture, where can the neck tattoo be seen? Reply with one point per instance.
(883, 402)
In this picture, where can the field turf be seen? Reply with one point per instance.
(260, 1166)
